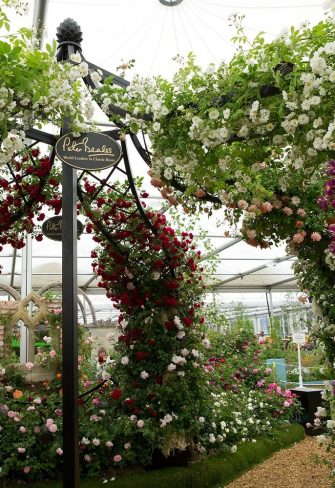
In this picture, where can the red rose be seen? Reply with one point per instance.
(141, 356)
(187, 321)
(169, 325)
(115, 394)
(129, 402)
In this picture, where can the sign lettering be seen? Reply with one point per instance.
(90, 151)
(52, 228)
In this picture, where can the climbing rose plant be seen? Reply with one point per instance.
(251, 137)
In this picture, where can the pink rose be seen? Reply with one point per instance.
(29, 366)
(266, 207)
(21, 450)
(59, 451)
(242, 204)
(251, 233)
(301, 212)
(22, 429)
(117, 458)
(53, 428)
(109, 444)
(95, 418)
(200, 193)
(26, 469)
(315, 236)
(52, 353)
(287, 211)
(298, 238)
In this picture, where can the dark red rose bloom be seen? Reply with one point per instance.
(129, 402)
(172, 284)
(169, 325)
(141, 356)
(187, 321)
(115, 394)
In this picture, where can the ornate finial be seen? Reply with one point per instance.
(170, 3)
(69, 31)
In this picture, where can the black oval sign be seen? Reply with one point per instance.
(90, 151)
(52, 228)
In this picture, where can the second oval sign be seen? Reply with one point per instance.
(90, 151)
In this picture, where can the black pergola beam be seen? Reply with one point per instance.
(41, 136)
(117, 80)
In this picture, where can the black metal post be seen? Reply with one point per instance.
(69, 330)
(69, 37)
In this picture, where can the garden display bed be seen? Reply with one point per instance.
(216, 470)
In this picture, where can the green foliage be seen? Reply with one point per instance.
(216, 318)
